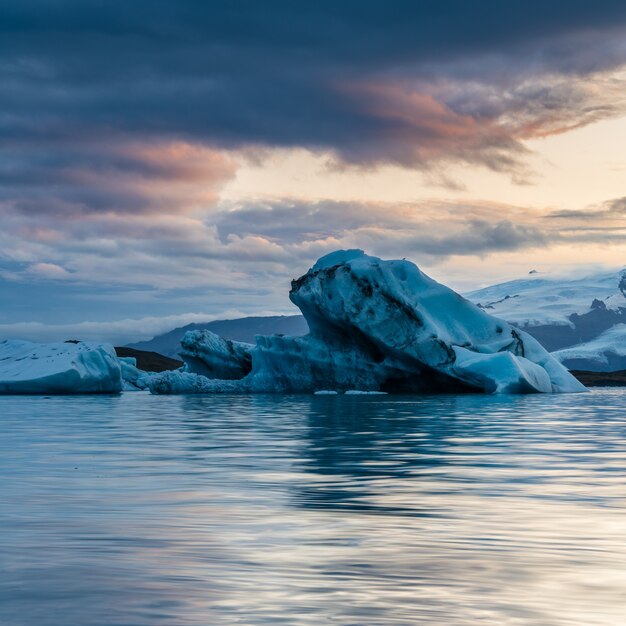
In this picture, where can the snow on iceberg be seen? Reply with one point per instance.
(58, 368)
(381, 326)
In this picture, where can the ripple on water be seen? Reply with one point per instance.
(351, 510)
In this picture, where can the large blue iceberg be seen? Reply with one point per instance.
(374, 326)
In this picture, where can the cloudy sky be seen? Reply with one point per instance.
(164, 162)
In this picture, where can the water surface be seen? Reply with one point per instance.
(308, 510)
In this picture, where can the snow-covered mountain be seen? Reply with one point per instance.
(540, 300)
(606, 353)
(563, 313)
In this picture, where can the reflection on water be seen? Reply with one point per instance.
(350, 510)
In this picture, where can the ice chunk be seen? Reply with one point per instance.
(376, 326)
(133, 379)
(177, 381)
(208, 354)
(306, 364)
(58, 368)
(502, 372)
(392, 310)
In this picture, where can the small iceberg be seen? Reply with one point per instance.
(58, 368)
(133, 379)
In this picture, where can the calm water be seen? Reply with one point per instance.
(312, 510)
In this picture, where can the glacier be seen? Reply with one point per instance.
(605, 353)
(58, 368)
(541, 300)
(573, 318)
(374, 325)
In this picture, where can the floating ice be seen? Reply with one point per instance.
(133, 379)
(58, 368)
(208, 354)
(377, 326)
(177, 381)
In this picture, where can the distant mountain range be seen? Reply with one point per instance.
(582, 320)
(242, 329)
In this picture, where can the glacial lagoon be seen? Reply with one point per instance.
(138, 510)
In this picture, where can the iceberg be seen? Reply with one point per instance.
(181, 382)
(209, 355)
(374, 326)
(133, 379)
(58, 368)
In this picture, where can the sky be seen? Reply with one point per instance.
(163, 163)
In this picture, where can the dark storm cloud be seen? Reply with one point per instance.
(604, 224)
(482, 237)
(117, 118)
(610, 210)
(90, 178)
(238, 261)
(427, 230)
(346, 77)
